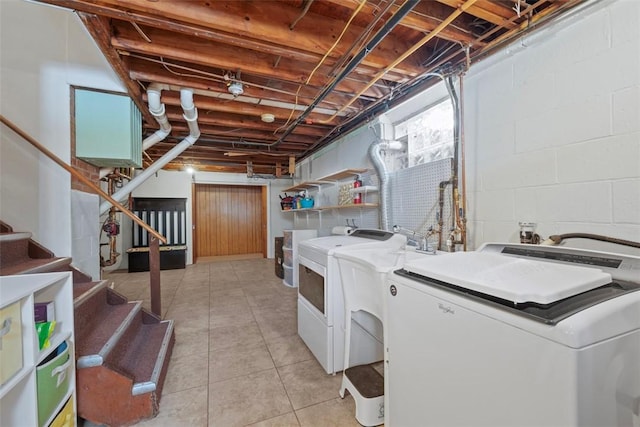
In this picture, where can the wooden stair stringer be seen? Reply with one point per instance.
(99, 384)
(117, 374)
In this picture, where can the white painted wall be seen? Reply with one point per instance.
(178, 184)
(85, 232)
(43, 51)
(348, 152)
(552, 129)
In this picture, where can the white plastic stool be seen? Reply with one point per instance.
(362, 291)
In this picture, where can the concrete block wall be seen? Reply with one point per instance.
(552, 130)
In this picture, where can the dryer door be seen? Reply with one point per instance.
(311, 284)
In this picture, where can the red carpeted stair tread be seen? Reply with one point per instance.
(30, 266)
(137, 351)
(99, 328)
(80, 289)
(14, 248)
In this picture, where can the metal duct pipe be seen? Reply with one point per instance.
(375, 40)
(375, 154)
(191, 115)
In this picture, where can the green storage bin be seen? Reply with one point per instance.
(52, 378)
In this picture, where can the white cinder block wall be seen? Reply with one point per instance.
(552, 130)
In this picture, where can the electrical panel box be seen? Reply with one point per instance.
(108, 129)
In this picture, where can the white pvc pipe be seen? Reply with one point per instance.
(190, 112)
(191, 115)
(145, 174)
(153, 139)
(156, 108)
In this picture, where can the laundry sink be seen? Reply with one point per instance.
(364, 273)
(375, 259)
(380, 261)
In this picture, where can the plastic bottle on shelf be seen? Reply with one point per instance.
(357, 197)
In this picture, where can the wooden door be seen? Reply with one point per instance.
(229, 220)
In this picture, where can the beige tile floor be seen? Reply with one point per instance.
(238, 360)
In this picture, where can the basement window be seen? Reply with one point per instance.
(427, 136)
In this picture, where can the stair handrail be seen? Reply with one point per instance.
(82, 178)
(154, 245)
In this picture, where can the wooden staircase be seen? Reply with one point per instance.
(122, 350)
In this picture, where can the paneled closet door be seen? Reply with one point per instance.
(229, 220)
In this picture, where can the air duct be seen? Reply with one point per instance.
(191, 116)
(375, 154)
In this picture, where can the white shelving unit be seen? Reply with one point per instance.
(23, 388)
(334, 179)
(290, 251)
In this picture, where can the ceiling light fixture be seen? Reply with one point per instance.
(190, 170)
(267, 117)
(236, 89)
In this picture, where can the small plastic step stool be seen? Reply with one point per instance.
(366, 385)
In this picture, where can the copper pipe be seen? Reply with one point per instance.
(463, 176)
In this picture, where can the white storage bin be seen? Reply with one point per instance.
(288, 257)
(287, 239)
(288, 276)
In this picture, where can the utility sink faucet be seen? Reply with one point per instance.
(415, 239)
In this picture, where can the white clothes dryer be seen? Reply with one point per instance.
(321, 301)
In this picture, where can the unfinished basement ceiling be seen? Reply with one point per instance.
(276, 80)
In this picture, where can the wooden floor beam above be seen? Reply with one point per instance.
(247, 58)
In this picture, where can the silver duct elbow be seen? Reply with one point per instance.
(375, 154)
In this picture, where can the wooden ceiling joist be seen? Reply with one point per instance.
(273, 47)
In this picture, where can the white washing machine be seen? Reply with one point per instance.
(321, 301)
(514, 335)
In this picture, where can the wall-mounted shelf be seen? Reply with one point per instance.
(325, 208)
(306, 185)
(326, 180)
(331, 208)
(343, 174)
